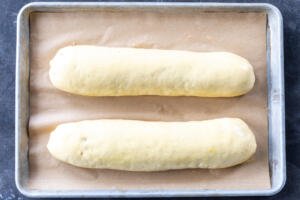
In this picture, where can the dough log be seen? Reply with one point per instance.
(108, 71)
(153, 146)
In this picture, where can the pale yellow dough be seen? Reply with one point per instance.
(153, 146)
(108, 71)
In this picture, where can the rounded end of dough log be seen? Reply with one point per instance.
(244, 140)
(241, 74)
(59, 73)
(58, 144)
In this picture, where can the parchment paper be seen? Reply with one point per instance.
(240, 33)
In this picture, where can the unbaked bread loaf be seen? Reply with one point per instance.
(153, 146)
(108, 71)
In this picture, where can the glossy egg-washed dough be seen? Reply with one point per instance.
(108, 71)
(153, 146)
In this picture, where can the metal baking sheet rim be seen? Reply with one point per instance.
(276, 104)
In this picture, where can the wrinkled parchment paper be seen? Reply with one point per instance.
(240, 33)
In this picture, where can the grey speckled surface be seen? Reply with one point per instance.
(291, 15)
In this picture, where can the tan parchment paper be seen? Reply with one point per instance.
(240, 33)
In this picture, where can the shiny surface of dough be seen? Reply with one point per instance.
(153, 146)
(108, 71)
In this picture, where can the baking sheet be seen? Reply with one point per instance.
(241, 33)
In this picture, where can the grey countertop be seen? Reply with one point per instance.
(291, 15)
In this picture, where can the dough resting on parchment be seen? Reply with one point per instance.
(108, 71)
(153, 146)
